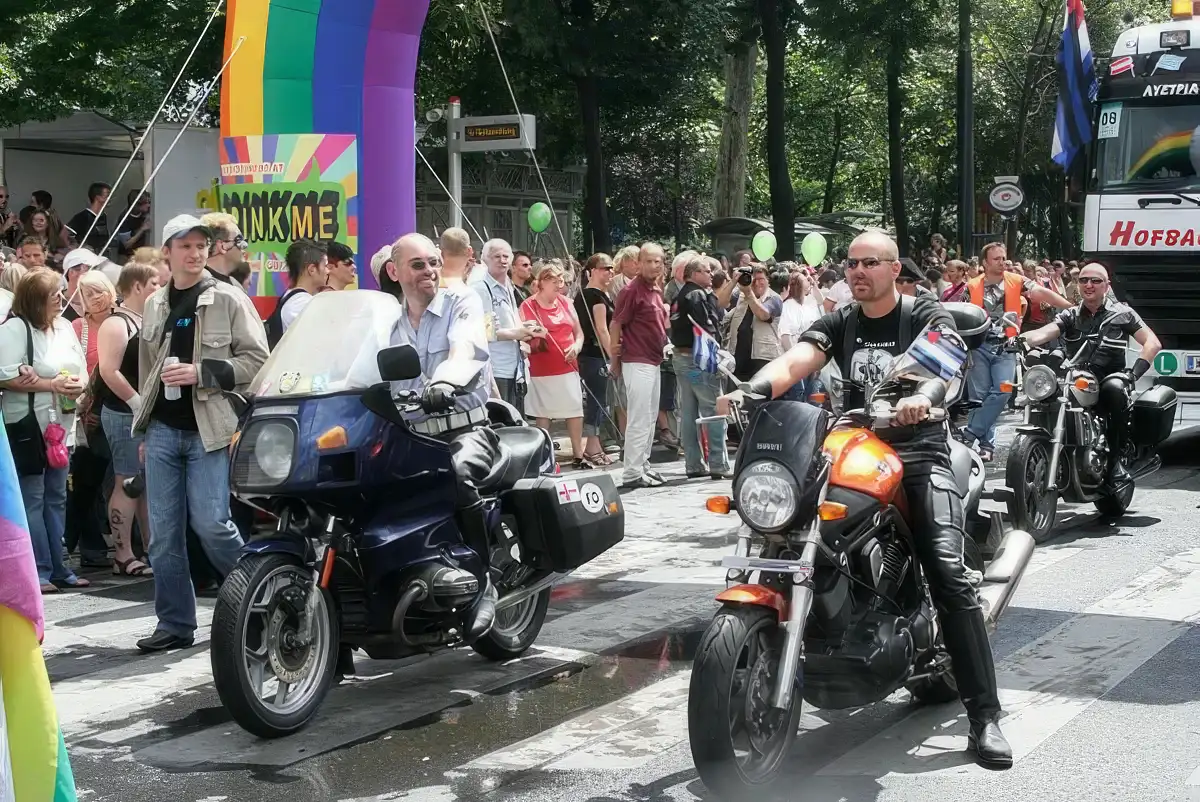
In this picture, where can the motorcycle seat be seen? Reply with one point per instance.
(523, 449)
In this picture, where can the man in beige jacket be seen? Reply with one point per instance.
(189, 428)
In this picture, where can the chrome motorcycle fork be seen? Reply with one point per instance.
(798, 608)
(1056, 445)
(324, 552)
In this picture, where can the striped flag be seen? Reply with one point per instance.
(33, 756)
(1121, 65)
(940, 351)
(705, 350)
(1077, 88)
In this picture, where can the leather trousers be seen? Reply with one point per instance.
(1115, 403)
(936, 517)
(473, 453)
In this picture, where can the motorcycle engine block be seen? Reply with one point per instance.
(1093, 453)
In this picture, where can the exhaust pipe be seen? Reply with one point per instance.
(1004, 574)
(520, 595)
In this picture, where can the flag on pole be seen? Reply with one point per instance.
(705, 350)
(1077, 88)
(940, 351)
(33, 756)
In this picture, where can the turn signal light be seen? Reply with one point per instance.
(832, 511)
(1082, 384)
(817, 398)
(718, 504)
(334, 438)
(1007, 387)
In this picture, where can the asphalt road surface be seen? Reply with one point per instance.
(1098, 661)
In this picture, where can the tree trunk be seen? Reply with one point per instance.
(1032, 67)
(783, 202)
(895, 110)
(729, 187)
(676, 216)
(834, 158)
(595, 203)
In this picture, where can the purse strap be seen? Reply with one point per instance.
(29, 353)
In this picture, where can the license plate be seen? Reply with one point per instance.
(1193, 364)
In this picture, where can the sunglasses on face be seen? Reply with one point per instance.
(903, 280)
(432, 263)
(1090, 280)
(867, 263)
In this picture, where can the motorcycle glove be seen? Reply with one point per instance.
(1139, 368)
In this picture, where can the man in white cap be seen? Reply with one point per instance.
(379, 263)
(189, 427)
(75, 264)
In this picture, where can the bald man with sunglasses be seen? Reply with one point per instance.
(1100, 312)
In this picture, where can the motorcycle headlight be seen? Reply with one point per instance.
(767, 497)
(274, 447)
(1040, 383)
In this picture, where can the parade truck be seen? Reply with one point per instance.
(1142, 211)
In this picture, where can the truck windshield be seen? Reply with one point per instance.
(1149, 147)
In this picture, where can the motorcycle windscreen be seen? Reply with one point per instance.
(791, 433)
(331, 346)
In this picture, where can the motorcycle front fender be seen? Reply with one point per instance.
(279, 545)
(1030, 429)
(758, 595)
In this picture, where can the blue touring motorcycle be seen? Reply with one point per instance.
(366, 550)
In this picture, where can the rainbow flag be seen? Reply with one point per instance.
(33, 756)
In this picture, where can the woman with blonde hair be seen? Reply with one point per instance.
(625, 269)
(555, 392)
(10, 275)
(116, 391)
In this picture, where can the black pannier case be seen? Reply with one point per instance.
(1154, 415)
(564, 522)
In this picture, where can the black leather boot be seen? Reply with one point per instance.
(975, 672)
(1116, 430)
(474, 531)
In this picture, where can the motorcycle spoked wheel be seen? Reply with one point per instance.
(1033, 507)
(515, 629)
(738, 739)
(269, 684)
(943, 687)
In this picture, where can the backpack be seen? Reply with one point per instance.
(274, 324)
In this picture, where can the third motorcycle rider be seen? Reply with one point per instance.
(863, 338)
(1116, 322)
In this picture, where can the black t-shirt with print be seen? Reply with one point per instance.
(80, 224)
(877, 341)
(181, 325)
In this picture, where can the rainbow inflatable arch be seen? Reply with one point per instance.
(317, 127)
(1178, 152)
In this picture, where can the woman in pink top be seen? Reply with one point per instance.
(555, 392)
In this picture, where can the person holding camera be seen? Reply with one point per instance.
(754, 322)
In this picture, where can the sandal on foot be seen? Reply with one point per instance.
(74, 583)
(48, 588)
(131, 567)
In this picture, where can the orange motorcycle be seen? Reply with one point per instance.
(826, 601)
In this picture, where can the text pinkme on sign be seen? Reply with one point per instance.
(1125, 233)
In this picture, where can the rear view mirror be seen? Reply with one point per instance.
(398, 363)
(217, 374)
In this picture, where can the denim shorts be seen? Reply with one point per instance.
(121, 441)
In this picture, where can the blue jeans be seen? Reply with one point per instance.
(990, 367)
(185, 486)
(697, 393)
(801, 390)
(593, 371)
(45, 499)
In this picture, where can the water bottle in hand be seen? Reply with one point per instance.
(171, 393)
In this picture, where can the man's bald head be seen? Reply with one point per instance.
(410, 243)
(1094, 270)
(879, 243)
(415, 262)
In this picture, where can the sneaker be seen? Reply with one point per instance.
(655, 476)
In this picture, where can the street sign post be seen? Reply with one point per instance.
(482, 135)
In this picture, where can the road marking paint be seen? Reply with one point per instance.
(1048, 682)
(605, 731)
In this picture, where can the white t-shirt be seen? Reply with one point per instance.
(841, 294)
(294, 306)
(53, 352)
(6, 299)
(796, 318)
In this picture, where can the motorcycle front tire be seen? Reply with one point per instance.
(1034, 514)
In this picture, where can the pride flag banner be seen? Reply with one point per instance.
(33, 756)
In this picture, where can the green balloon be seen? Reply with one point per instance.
(764, 245)
(539, 217)
(814, 248)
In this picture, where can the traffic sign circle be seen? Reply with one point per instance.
(1006, 197)
(1166, 364)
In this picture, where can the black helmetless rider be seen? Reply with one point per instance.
(1099, 313)
(863, 338)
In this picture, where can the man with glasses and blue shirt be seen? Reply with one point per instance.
(502, 322)
(442, 326)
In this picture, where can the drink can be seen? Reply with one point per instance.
(171, 393)
(66, 405)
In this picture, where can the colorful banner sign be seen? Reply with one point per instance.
(286, 187)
